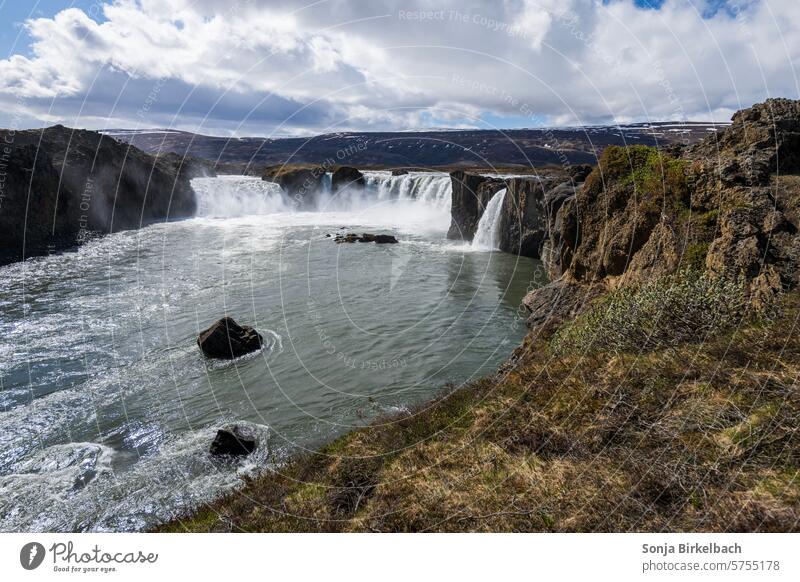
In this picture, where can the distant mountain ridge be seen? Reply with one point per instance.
(429, 149)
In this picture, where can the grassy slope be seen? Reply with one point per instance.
(703, 437)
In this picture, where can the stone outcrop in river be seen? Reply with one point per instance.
(471, 194)
(302, 184)
(65, 185)
(226, 339)
(346, 177)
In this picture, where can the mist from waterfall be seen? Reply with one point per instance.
(426, 194)
(487, 235)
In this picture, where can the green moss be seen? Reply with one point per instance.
(657, 179)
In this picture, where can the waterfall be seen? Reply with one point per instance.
(487, 235)
(431, 188)
(231, 196)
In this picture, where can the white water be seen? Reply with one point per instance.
(235, 196)
(232, 196)
(487, 236)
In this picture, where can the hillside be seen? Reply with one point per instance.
(424, 149)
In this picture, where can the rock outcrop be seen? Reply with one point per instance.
(63, 186)
(365, 238)
(471, 194)
(346, 177)
(226, 339)
(727, 205)
(302, 184)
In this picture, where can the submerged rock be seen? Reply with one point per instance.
(232, 441)
(227, 339)
(366, 237)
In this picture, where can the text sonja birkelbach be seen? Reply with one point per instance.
(66, 558)
(691, 548)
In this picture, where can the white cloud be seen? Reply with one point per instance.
(256, 66)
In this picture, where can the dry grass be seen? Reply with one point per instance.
(698, 437)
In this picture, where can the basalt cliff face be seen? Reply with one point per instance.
(63, 186)
(728, 205)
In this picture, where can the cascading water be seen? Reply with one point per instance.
(487, 236)
(431, 188)
(231, 196)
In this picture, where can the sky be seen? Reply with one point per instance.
(282, 67)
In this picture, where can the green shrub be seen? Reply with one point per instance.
(657, 179)
(689, 306)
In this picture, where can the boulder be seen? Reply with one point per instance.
(232, 441)
(399, 172)
(346, 177)
(226, 339)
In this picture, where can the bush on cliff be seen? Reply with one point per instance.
(689, 306)
(656, 177)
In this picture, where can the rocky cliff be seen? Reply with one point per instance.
(728, 205)
(471, 194)
(64, 185)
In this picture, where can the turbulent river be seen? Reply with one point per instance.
(107, 407)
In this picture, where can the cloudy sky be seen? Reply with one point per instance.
(283, 67)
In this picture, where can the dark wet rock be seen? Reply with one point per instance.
(471, 194)
(64, 186)
(346, 177)
(232, 441)
(226, 339)
(365, 238)
(399, 172)
(301, 184)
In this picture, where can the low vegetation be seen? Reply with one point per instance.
(663, 435)
(690, 306)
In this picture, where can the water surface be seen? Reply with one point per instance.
(107, 407)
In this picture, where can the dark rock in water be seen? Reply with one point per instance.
(399, 172)
(232, 441)
(227, 339)
(471, 194)
(346, 177)
(302, 184)
(65, 186)
(366, 238)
